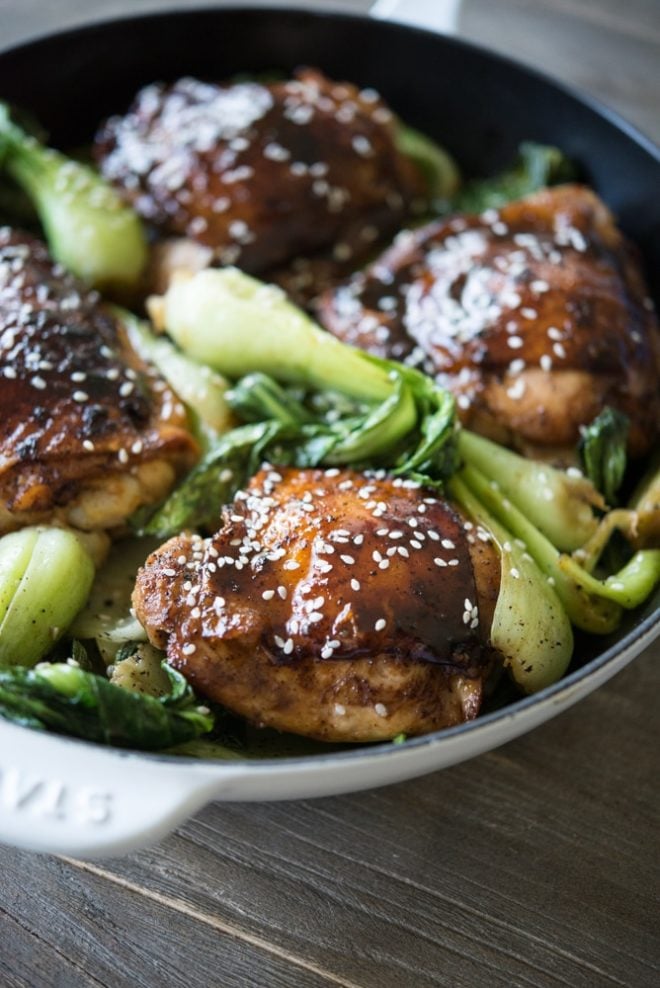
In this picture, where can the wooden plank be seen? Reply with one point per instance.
(96, 933)
(521, 867)
(27, 961)
(621, 69)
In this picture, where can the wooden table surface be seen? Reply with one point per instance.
(535, 865)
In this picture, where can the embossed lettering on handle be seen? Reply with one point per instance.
(24, 793)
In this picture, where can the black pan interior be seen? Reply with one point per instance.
(477, 104)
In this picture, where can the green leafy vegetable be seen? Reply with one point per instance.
(436, 165)
(602, 450)
(88, 228)
(65, 698)
(537, 167)
(45, 577)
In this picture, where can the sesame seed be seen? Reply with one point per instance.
(447, 544)
(380, 624)
(88, 445)
(126, 389)
(189, 649)
(453, 562)
(380, 709)
(517, 389)
(362, 146)
(291, 564)
(79, 396)
(546, 362)
(122, 456)
(268, 594)
(288, 646)
(281, 592)
(278, 641)
(169, 572)
(340, 709)
(355, 584)
(515, 342)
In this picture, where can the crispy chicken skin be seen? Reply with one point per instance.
(535, 315)
(330, 604)
(261, 173)
(87, 434)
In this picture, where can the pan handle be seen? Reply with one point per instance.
(436, 15)
(71, 798)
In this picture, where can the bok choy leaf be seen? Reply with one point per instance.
(63, 697)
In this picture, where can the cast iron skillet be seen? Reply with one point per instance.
(64, 796)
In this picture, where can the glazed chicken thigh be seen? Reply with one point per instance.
(257, 174)
(332, 604)
(87, 433)
(536, 316)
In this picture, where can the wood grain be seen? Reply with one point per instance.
(535, 865)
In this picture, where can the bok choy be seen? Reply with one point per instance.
(45, 578)
(88, 228)
(63, 697)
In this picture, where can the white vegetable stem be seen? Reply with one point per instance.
(46, 575)
(238, 325)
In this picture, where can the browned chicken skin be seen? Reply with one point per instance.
(331, 604)
(87, 435)
(536, 316)
(261, 173)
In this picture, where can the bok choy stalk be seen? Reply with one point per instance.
(201, 389)
(63, 697)
(559, 503)
(239, 325)
(593, 605)
(45, 577)
(530, 626)
(88, 228)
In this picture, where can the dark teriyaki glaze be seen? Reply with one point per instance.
(75, 401)
(319, 579)
(262, 173)
(535, 315)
